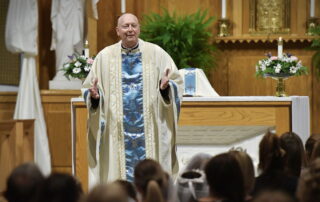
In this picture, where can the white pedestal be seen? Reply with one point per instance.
(60, 82)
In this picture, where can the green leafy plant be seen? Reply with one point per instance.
(187, 39)
(316, 46)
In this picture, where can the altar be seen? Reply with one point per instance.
(212, 125)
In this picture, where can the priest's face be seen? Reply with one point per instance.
(128, 30)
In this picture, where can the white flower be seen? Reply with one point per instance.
(66, 65)
(87, 68)
(83, 57)
(263, 67)
(76, 70)
(277, 68)
(77, 64)
(293, 70)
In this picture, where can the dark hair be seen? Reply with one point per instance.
(225, 178)
(247, 168)
(129, 188)
(23, 183)
(61, 187)
(309, 183)
(271, 155)
(151, 181)
(295, 155)
(310, 143)
(113, 192)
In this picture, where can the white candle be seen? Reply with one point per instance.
(280, 47)
(312, 3)
(123, 6)
(86, 49)
(223, 8)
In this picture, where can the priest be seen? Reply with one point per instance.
(133, 95)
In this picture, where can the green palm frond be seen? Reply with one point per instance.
(187, 39)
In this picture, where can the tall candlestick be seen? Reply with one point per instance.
(123, 6)
(223, 9)
(312, 4)
(86, 49)
(280, 47)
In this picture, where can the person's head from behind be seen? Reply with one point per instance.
(61, 187)
(247, 168)
(310, 143)
(128, 29)
(225, 178)
(271, 155)
(113, 192)
(23, 183)
(309, 183)
(273, 196)
(294, 153)
(151, 181)
(128, 187)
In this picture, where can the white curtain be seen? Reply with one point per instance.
(21, 37)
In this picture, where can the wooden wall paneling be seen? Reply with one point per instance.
(317, 8)
(301, 16)
(315, 108)
(237, 17)
(91, 28)
(108, 12)
(47, 68)
(245, 17)
(62, 169)
(57, 110)
(7, 105)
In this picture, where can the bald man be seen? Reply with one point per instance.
(133, 95)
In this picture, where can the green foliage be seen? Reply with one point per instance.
(316, 46)
(287, 65)
(185, 38)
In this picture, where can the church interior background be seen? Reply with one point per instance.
(252, 35)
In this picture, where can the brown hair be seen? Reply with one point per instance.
(295, 156)
(271, 156)
(247, 168)
(225, 178)
(309, 183)
(151, 181)
(310, 143)
(113, 192)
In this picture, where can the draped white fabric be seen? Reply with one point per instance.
(94, 8)
(21, 27)
(21, 37)
(67, 17)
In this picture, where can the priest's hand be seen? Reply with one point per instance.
(165, 80)
(94, 92)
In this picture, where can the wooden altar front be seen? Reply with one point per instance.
(219, 111)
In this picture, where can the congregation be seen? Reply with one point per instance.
(288, 172)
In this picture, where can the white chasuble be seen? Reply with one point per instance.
(132, 121)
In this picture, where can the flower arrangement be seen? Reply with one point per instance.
(287, 65)
(78, 67)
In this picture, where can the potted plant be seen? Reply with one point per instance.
(187, 39)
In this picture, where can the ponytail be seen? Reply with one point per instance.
(153, 192)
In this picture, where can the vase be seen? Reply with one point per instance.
(280, 88)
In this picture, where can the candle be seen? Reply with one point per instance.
(312, 3)
(223, 8)
(86, 49)
(123, 6)
(280, 47)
